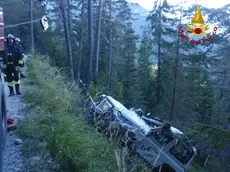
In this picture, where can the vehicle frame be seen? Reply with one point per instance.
(143, 134)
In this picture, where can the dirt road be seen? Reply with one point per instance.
(12, 159)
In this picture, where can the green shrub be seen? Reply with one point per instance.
(56, 110)
(52, 119)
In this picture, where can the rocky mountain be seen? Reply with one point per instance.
(140, 15)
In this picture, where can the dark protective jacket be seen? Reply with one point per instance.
(21, 48)
(13, 55)
(18, 50)
(9, 57)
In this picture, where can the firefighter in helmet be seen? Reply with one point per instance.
(21, 63)
(11, 62)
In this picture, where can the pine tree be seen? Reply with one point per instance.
(129, 67)
(98, 34)
(67, 38)
(79, 65)
(110, 46)
(161, 29)
(90, 41)
(143, 69)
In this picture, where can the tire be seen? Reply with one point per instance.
(3, 122)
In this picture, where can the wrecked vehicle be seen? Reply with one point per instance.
(164, 147)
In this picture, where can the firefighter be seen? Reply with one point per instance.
(11, 59)
(19, 45)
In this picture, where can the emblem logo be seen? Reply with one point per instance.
(197, 28)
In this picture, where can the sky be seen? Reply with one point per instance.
(148, 4)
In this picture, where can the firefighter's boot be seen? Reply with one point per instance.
(11, 91)
(17, 89)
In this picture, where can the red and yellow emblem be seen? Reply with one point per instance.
(197, 27)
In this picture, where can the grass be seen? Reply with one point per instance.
(211, 142)
(54, 106)
(55, 114)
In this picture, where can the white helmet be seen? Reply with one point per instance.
(11, 36)
(17, 39)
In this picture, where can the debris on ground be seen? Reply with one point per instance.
(11, 127)
(47, 157)
(12, 157)
(10, 121)
(18, 141)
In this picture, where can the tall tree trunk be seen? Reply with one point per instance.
(175, 72)
(174, 87)
(67, 39)
(69, 16)
(90, 41)
(223, 84)
(159, 61)
(98, 37)
(81, 41)
(110, 46)
(129, 71)
(31, 25)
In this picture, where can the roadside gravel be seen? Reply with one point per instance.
(12, 159)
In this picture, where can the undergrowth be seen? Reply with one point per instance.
(55, 117)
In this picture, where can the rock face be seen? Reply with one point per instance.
(140, 14)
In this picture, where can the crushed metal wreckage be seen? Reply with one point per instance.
(164, 147)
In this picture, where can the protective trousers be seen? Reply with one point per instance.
(12, 74)
(21, 72)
